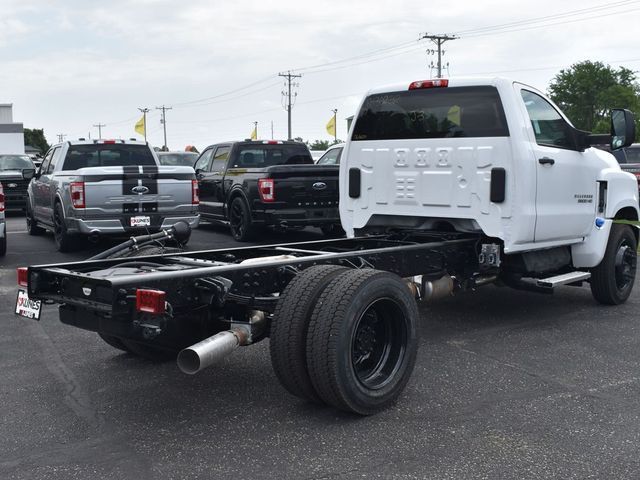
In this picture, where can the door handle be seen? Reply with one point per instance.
(546, 161)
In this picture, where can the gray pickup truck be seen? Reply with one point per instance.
(108, 187)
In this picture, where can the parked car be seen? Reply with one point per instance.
(184, 159)
(108, 187)
(3, 226)
(332, 155)
(15, 186)
(629, 159)
(250, 184)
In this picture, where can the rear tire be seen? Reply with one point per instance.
(612, 280)
(32, 224)
(288, 337)
(362, 341)
(3, 246)
(242, 227)
(64, 241)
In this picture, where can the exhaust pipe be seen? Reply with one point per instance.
(211, 350)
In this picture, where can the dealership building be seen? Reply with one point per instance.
(11, 133)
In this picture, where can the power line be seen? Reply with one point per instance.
(182, 104)
(99, 126)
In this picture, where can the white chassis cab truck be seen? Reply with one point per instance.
(445, 185)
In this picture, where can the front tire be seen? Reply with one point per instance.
(242, 227)
(612, 280)
(32, 224)
(3, 246)
(362, 341)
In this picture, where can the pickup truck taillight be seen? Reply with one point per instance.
(150, 301)
(23, 276)
(1, 199)
(77, 194)
(267, 189)
(195, 192)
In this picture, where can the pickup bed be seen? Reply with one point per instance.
(108, 187)
(266, 183)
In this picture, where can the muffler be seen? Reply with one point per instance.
(211, 350)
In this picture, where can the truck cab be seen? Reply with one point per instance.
(485, 155)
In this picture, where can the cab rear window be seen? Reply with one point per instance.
(432, 113)
(260, 156)
(107, 155)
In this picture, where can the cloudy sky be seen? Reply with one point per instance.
(68, 65)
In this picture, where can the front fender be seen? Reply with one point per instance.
(622, 192)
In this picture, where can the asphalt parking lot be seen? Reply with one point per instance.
(507, 385)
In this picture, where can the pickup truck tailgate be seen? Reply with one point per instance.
(306, 185)
(137, 189)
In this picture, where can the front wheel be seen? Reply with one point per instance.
(64, 241)
(612, 280)
(32, 224)
(362, 341)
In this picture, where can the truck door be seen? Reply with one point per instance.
(38, 198)
(202, 167)
(47, 187)
(218, 168)
(565, 180)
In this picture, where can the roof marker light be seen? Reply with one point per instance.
(437, 83)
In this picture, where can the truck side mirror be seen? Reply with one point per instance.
(28, 173)
(623, 128)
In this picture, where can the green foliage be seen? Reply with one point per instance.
(587, 92)
(35, 137)
(319, 145)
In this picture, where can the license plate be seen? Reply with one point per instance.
(27, 308)
(140, 221)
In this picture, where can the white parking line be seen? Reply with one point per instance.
(17, 231)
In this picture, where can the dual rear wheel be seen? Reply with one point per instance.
(345, 337)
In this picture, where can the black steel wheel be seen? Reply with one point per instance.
(32, 224)
(612, 280)
(64, 241)
(242, 228)
(113, 341)
(288, 336)
(362, 341)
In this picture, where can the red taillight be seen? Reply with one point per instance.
(109, 141)
(438, 83)
(1, 199)
(77, 194)
(272, 142)
(150, 301)
(195, 192)
(23, 277)
(267, 189)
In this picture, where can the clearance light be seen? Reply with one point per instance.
(272, 142)
(23, 277)
(267, 189)
(150, 301)
(77, 194)
(439, 83)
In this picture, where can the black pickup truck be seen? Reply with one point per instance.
(250, 184)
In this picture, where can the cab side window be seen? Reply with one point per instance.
(204, 161)
(54, 160)
(220, 160)
(549, 127)
(46, 162)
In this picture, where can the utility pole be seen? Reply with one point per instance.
(335, 125)
(99, 126)
(439, 40)
(144, 116)
(61, 137)
(255, 128)
(289, 76)
(271, 129)
(163, 120)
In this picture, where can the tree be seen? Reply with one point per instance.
(319, 145)
(587, 92)
(35, 138)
